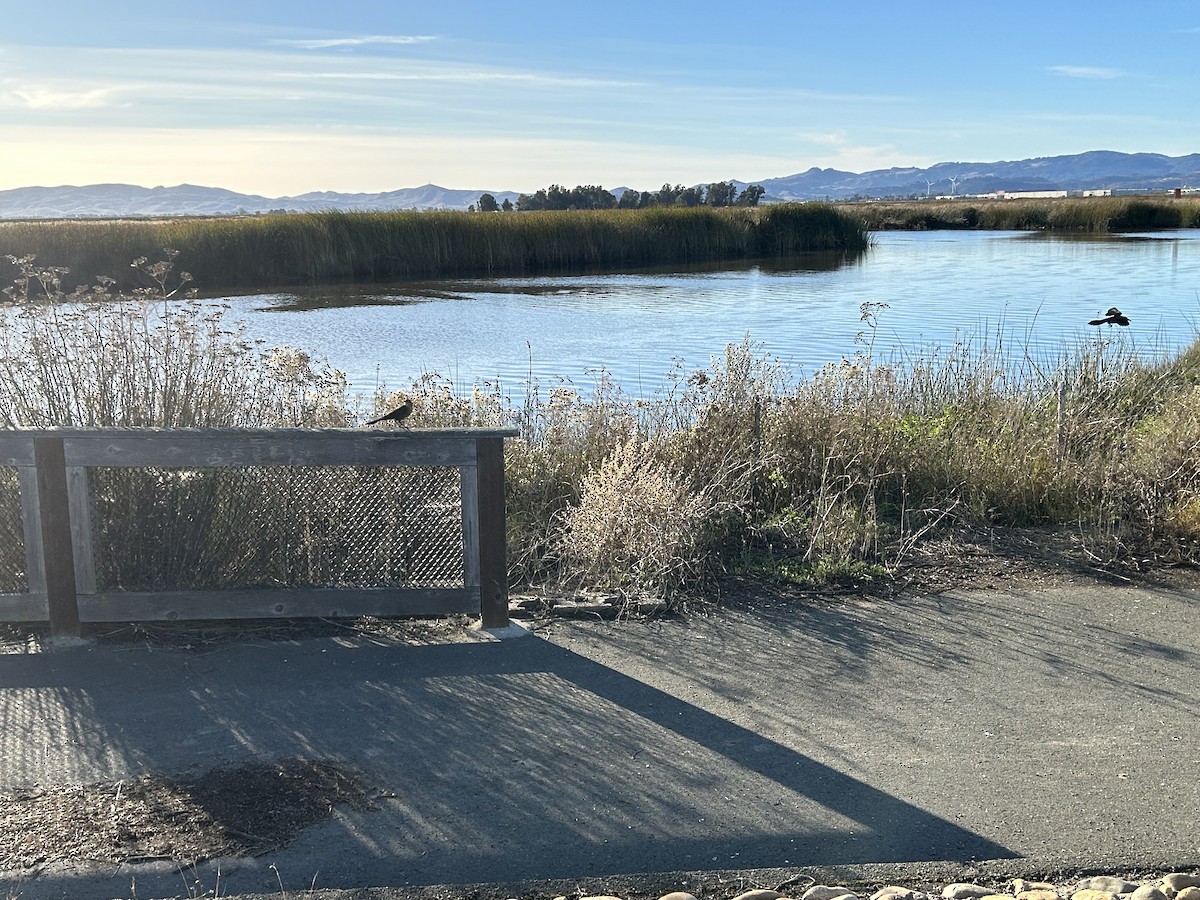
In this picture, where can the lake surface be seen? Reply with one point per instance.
(1033, 291)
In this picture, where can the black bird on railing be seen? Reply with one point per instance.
(1113, 317)
(399, 414)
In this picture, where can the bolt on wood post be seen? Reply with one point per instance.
(493, 545)
(58, 552)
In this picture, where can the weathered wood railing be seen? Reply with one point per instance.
(52, 470)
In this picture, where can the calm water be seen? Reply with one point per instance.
(1034, 291)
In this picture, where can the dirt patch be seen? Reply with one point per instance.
(204, 636)
(1010, 557)
(248, 810)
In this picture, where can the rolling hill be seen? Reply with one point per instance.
(1097, 169)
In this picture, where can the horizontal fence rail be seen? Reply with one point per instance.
(123, 525)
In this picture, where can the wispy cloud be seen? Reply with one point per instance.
(31, 97)
(327, 43)
(466, 76)
(1093, 72)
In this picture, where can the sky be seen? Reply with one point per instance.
(284, 98)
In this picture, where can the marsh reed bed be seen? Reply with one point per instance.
(1093, 215)
(738, 466)
(316, 248)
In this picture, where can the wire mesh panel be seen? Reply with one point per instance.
(178, 529)
(13, 578)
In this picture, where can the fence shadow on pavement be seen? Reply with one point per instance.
(494, 761)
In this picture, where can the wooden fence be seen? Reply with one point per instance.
(53, 465)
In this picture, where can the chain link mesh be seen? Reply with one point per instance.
(13, 578)
(170, 529)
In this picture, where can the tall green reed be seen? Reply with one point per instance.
(272, 250)
(1080, 214)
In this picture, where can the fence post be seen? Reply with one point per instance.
(493, 546)
(57, 548)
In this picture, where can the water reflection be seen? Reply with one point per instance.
(599, 282)
(1032, 293)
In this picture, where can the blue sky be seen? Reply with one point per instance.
(280, 98)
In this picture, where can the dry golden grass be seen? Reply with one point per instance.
(741, 465)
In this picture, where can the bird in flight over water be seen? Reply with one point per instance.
(1113, 317)
(399, 414)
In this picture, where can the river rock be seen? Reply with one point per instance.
(1092, 894)
(1020, 886)
(1108, 883)
(961, 890)
(1177, 881)
(759, 894)
(1148, 892)
(1189, 893)
(895, 892)
(1037, 894)
(677, 895)
(825, 892)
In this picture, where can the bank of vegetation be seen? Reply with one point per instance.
(717, 194)
(322, 248)
(1078, 214)
(738, 466)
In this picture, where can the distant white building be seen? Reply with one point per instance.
(1029, 195)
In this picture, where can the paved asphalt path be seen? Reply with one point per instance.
(1043, 725)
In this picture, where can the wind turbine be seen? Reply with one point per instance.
(954, 183)
(928, 188)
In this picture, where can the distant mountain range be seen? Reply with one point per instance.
(1098, 169)
(108, 200)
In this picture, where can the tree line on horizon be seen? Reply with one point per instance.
(556, 197)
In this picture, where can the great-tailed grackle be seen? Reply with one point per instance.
(1113, 317)
(399, 414)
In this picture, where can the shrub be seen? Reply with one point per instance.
(637, 526)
